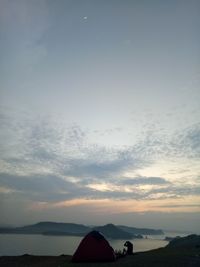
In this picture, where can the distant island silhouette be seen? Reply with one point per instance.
(73, 229)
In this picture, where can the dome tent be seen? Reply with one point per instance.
(94, 248)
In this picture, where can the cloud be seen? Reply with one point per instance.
(145, 181)
(185, 143)
(47, 160)
(62, 149)
(177, 206)
(53, 189)
(190, 140)
(101, 167)
(40, 188)
(175, 191)
(43, 188)
(50, 188)
(158, 143)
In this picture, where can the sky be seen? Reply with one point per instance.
(100, 112)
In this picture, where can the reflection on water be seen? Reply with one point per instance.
(12, 244)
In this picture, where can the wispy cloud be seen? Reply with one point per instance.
(51, 188)
(145, 181)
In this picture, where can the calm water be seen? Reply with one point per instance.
(12, 244)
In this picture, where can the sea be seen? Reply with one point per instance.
(20, 244)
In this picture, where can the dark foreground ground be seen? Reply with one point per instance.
(163, 257)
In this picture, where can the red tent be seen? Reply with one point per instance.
(94, 248)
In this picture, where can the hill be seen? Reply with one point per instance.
(192, 241)
(140, 231)
(50, 228)
(57, 228)
(112, 231)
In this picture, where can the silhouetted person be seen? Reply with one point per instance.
(129, 246)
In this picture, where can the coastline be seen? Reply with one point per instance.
(15, 245)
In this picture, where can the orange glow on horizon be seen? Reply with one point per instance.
(189, 204)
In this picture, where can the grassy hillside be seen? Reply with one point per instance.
(164, 257)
